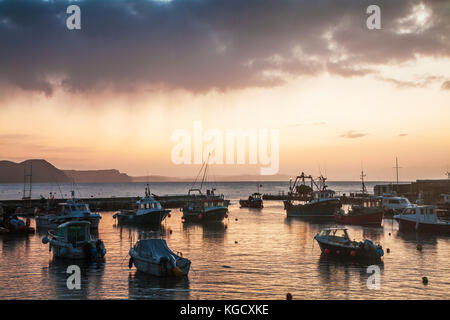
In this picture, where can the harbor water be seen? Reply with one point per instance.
(253, 254)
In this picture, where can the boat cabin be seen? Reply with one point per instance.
(148, 204)
(334, 235)
(73, 208)
(371, 203)
(421, 213)
(256, 196)
(323, 195)
(395, 202)
(74, 232)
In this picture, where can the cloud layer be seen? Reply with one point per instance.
(200, 45)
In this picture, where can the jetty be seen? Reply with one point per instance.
(99, 204)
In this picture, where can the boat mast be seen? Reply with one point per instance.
(364, 189)
(30, 177)
(204, 173)
(396, 168)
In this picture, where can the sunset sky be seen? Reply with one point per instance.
(111, 94)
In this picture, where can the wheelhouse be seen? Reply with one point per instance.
(74, 232)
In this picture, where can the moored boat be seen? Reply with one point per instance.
(393, 205)
(422, 218)
(253, 201)
(73, 241)
(154, 257)
(149, 212)
(204, 208)
(72, 210)
(336, 242)
(323, 204)
(369, 212)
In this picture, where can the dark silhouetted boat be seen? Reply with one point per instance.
(323, 204)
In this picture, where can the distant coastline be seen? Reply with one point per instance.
(44, 172)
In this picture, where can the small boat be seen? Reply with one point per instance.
(336, 242)
(253, 201)
(204, 208)
(369, 212)
(154, 257)
(72, 210)
(393, 205)
(422, 219)
(73, 241)
(323, 204)
(149, 212)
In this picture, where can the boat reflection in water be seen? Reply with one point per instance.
(144, 286)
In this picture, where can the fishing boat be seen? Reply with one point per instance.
(149, 212)
(14, 225)
(323, 204)
(422, 218)
(73, 240)
(369, 212)
(154, 257)
(71, 210)
(254, 201)
(205, 207)
(336, 242)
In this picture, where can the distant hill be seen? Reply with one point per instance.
(43, 171)
(105, 176)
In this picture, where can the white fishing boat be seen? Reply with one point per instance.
(72, 210)
(422, 219)
(73, 240)
(154, 257)
(394, 204)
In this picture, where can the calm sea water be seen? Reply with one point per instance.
(254, 254)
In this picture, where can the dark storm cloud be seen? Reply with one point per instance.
(203, 44)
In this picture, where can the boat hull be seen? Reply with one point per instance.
(323, 209)
(251, 204)
(410, 225)
(63, 250)
(52, 222)
(368, 219)
(161, 269)
(204, 216)
(346, 252)
(151, 218)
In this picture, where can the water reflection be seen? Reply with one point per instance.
(91, 279)
(145, 286)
